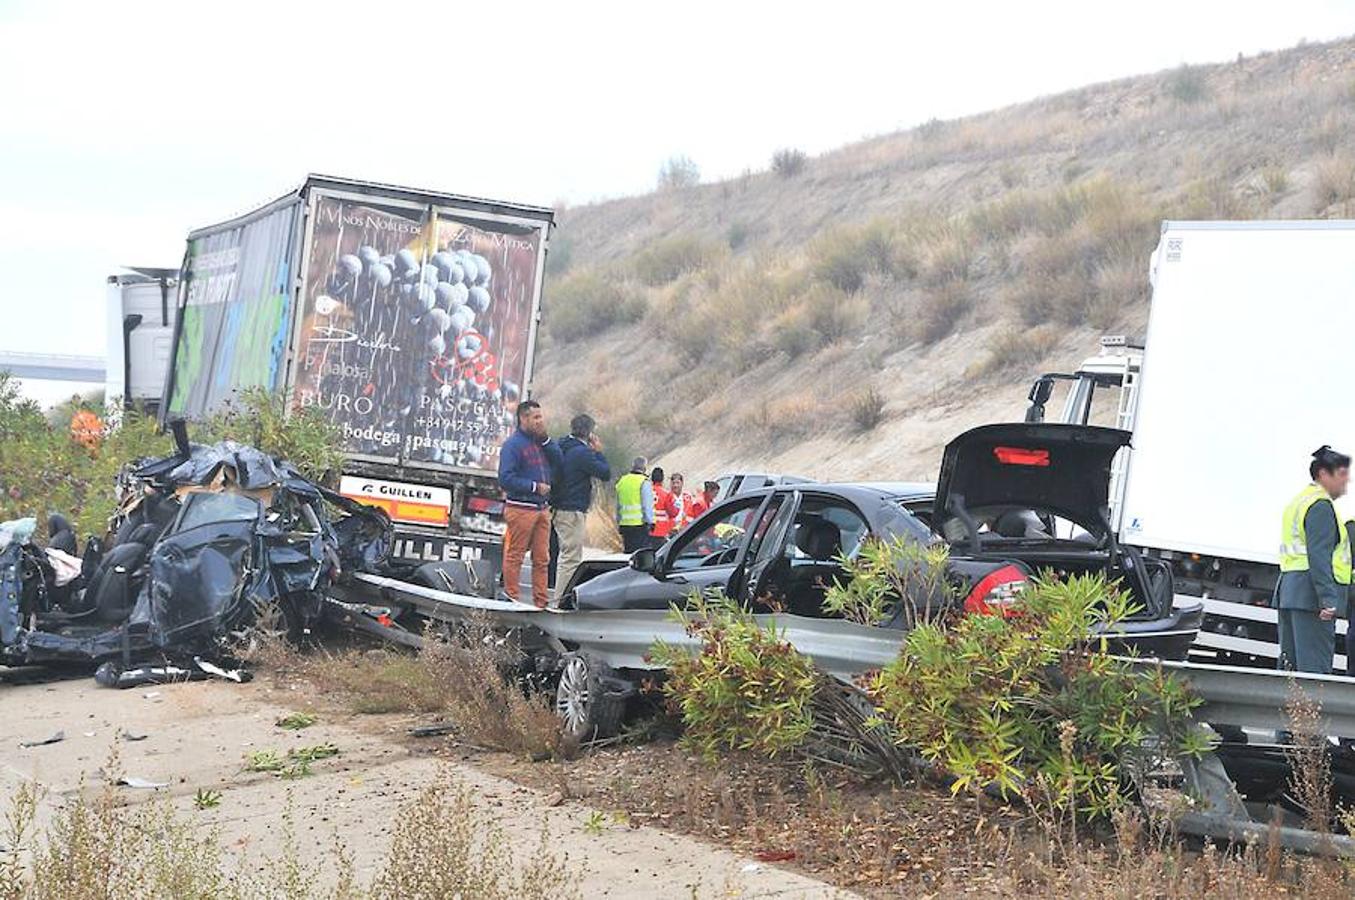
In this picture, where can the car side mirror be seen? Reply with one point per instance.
(645, 560)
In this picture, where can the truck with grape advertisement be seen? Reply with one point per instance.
(408, 317)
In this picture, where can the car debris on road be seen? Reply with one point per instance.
(207, 545)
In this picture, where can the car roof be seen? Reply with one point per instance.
(859, 491)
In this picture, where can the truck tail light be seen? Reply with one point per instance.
(997, 592)
(484, 505)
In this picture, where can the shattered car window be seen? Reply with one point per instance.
(208, 509)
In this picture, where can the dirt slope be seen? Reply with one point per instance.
(847, 320)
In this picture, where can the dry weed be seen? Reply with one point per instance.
(444, 847)
(1333, 183)
(95, 849)
(940, 310)
(1015, 348)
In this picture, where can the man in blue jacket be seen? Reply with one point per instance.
(581, 462)
(526, 462)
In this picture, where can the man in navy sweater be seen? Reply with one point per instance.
(526, 462)
(581, 462)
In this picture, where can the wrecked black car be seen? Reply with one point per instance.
(1012, 501)
(206, 544)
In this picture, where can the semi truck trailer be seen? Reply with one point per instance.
(407, 317)
(1241, 376)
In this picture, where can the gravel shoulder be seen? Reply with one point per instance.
(197, 735)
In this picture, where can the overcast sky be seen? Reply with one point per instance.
(126, 124)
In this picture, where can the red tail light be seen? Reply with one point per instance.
(1021, 456)
(997, 592)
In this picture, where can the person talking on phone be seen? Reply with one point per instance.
(572, 495)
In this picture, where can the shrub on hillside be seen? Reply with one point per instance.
(1015, 349)
(1212, 198)
(834, 314)
(1333, 182)
(670, 258)
(845, 256)
(677, 173)
(940, 309)
(560, 256)
(1187, 85)
(587, 303)
(868, 410)
(736, 235)
(793, 332)
(949, 253)
(789, 162)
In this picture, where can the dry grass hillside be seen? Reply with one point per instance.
(843, 316)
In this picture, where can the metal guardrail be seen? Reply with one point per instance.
(53, 366)
(1244, 698)
(1256, 698)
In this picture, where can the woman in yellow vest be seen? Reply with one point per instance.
(1315, 567)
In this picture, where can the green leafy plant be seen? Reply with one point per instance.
(296, 721)
(304, 436)
(887, 572)
(206, 799)
(1030, 704)
(294, 764)
(594, 823)
(745, 689)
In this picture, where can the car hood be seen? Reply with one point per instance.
(1062, 469)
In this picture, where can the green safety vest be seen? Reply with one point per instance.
(629, 499)
(1294, 542)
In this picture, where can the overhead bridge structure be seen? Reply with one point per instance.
(53, 366)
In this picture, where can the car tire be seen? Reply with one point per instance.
(588, 710)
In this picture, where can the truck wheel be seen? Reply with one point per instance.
(589, 711)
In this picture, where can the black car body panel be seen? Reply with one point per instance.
(203, 541)
(1058, 469)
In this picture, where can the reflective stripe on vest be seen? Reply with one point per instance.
(1294, 537)
(630, 499)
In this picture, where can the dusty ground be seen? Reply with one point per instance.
(196, 738)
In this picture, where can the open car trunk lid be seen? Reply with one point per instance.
(1062, 469)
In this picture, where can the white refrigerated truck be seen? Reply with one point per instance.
(141, 311)
(1243, 373)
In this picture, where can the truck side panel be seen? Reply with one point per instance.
(415, 327)
(235, 312)
(1245, 374)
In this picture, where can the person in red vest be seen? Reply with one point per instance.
(665, 508)
(682, 500)
(703, 501)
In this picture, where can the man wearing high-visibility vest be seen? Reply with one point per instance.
(1315, 567)
(635, 506)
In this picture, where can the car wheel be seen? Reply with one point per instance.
(589, 712)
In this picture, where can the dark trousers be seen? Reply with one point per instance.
(1350, 646)
(635, 537)
(1306, 642)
